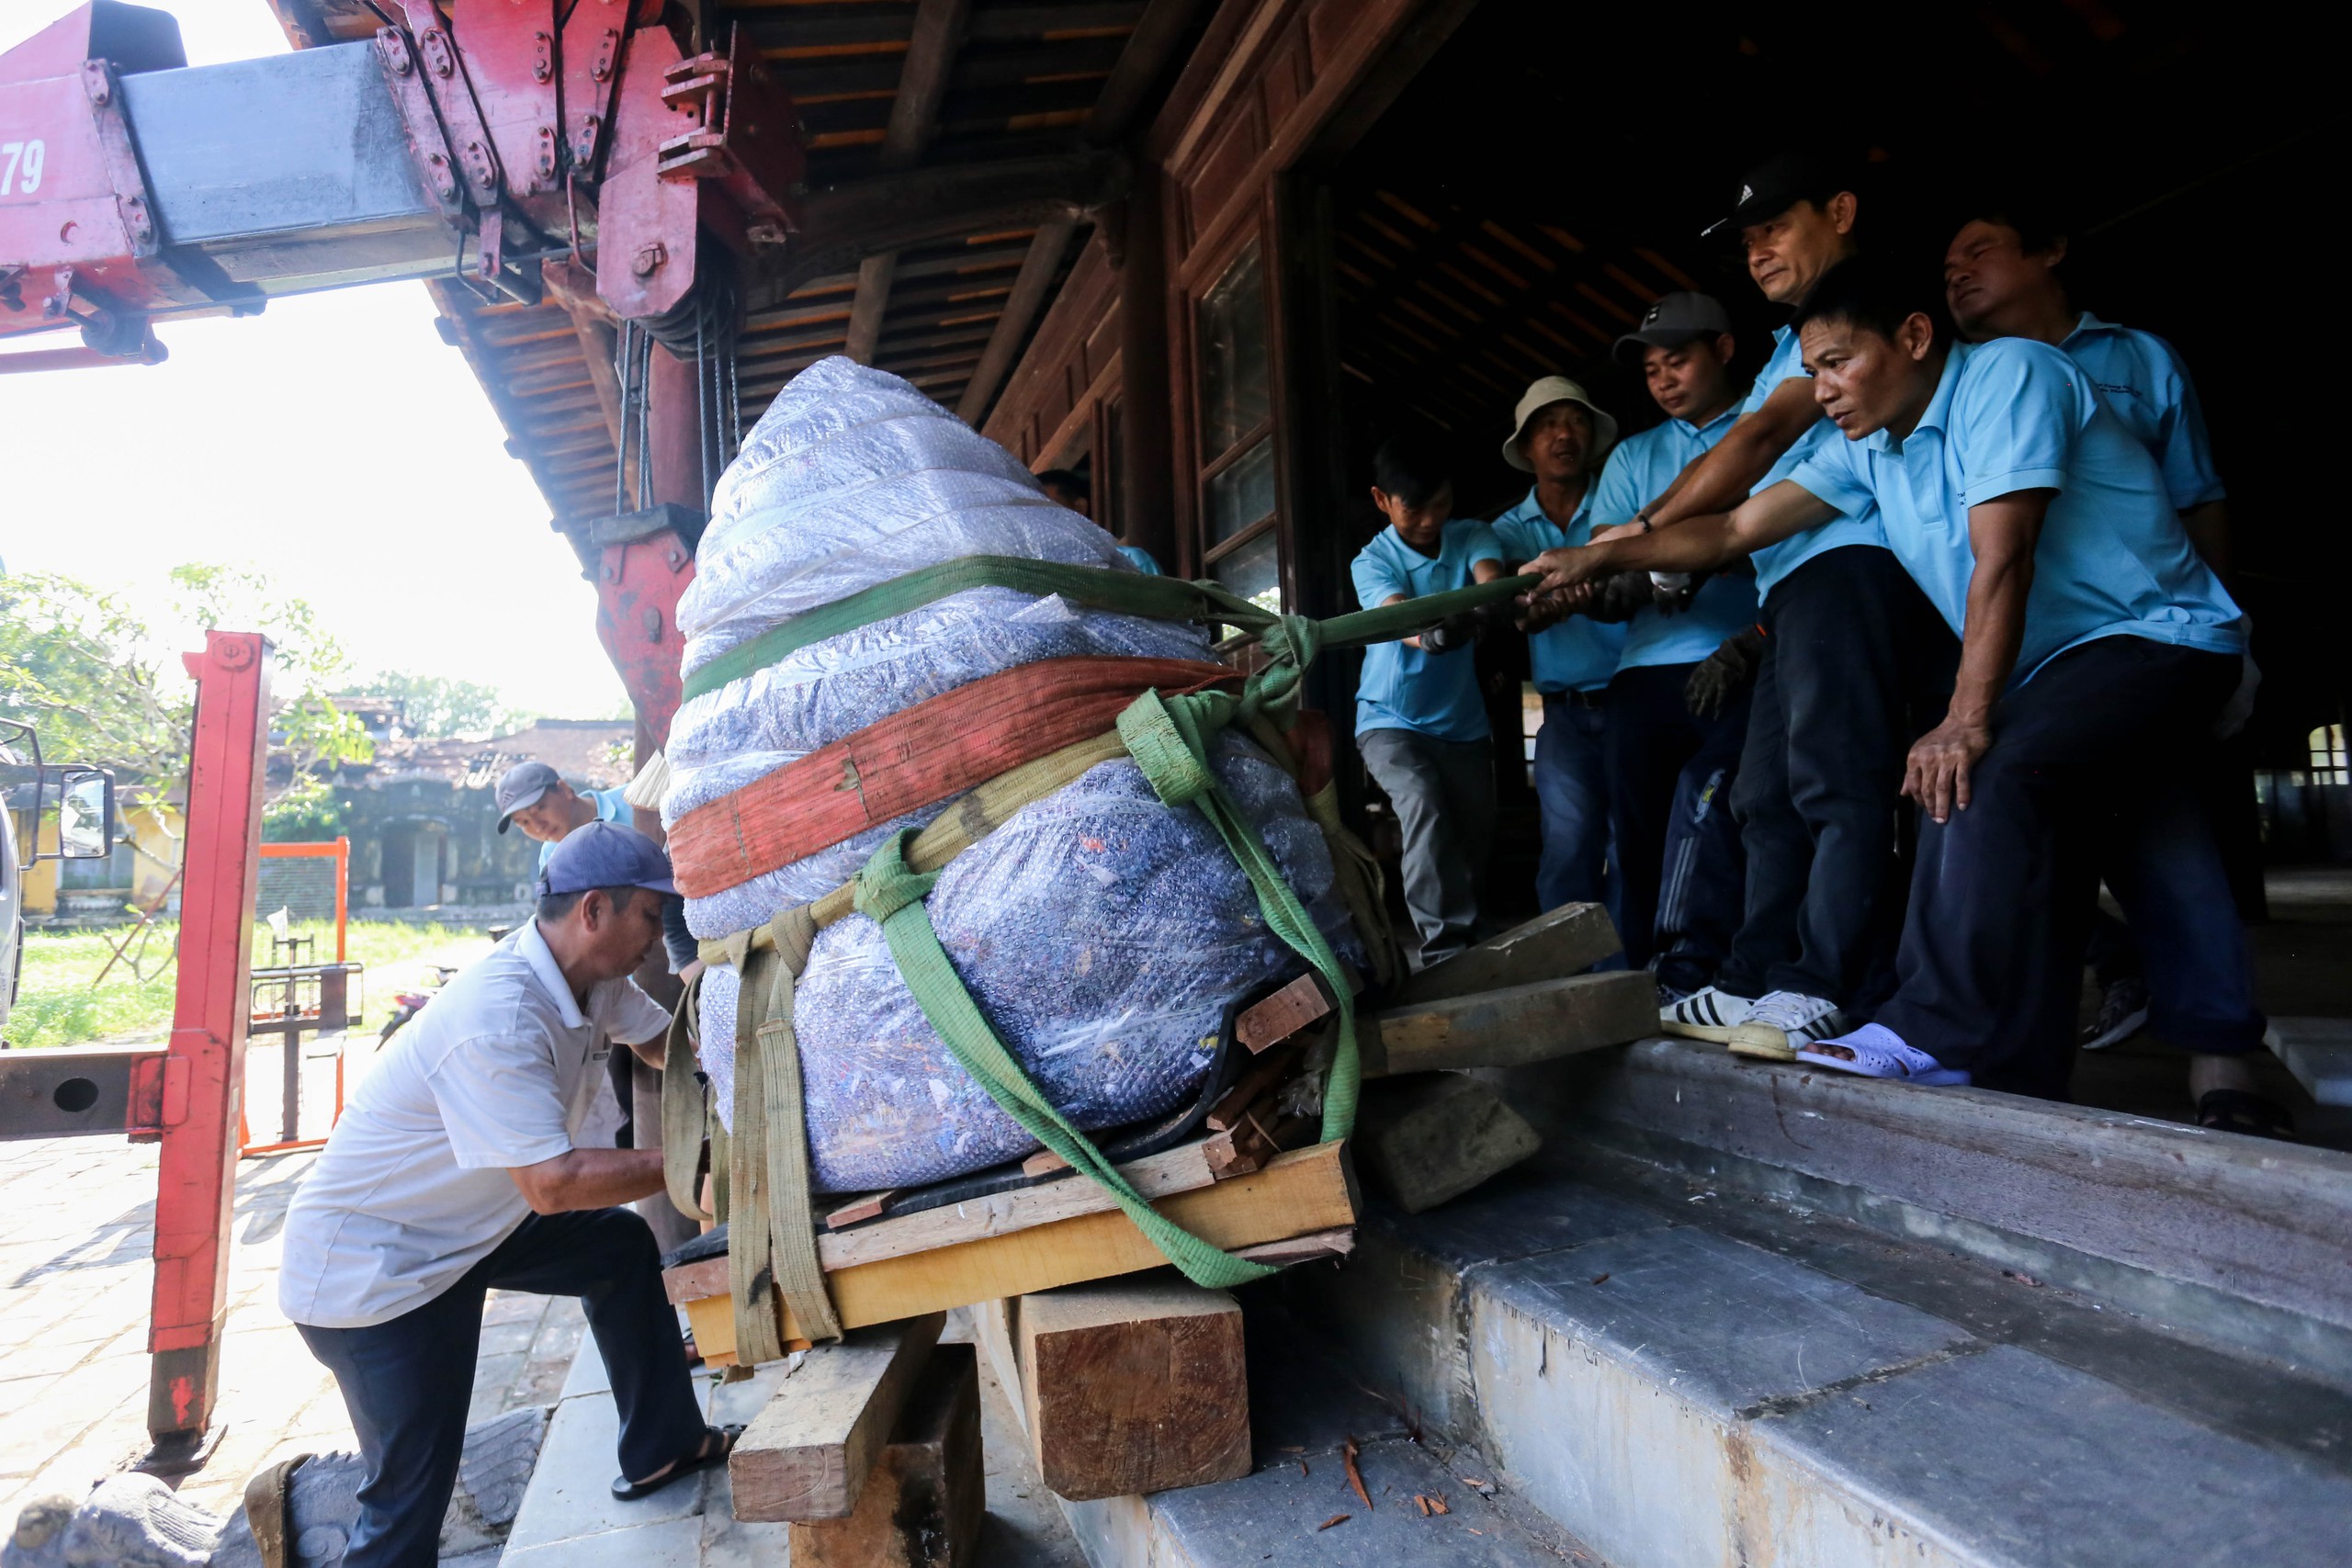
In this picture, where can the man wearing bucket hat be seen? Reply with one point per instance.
(1854, 655)
(1560, 435)
(453, 1172)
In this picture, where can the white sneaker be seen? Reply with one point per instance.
(1780, 1025)
(1704, 1014)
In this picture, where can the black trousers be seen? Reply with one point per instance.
(1656, 746)
(1856, 663)
(407, 1382)
(2093, 767)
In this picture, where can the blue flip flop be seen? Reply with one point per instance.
(1880, 1052)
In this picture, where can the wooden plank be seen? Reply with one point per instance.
(1021, 307)
(1226, 1113)
(1311, 1247)
(1275, 1018)
(859, 1210)
(807, 1455)
(1179, 1169)
(1305, 1191)
(1512, 1027)
(1134, 1387)
(1567, 940)
(923, 1504)
(1428, 1137)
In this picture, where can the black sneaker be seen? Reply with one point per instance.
(2122, 1012)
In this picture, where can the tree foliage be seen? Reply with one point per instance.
(103, 683)
(437, 708)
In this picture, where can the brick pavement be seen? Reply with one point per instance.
(76, 1218)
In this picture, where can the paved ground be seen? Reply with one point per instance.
(76, 1273)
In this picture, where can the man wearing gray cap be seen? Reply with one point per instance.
(535, 798)
(1560, 435)
(453, 1172)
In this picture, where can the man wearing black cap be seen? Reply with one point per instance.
(1673, 752)
(453, 1172)
(535, 798)
(1851, 649)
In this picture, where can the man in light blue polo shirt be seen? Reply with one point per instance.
(535, 798)
(1560, 435)
(1671, 759)
(2096, 651)
(1853, 666)
(1420, 721)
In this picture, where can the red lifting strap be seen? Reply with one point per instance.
(915, 758)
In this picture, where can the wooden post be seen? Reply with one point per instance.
(1133, 1387)
(923, 1506)
(1565, 940)
(1511, 1027)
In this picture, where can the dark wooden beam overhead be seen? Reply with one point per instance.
(926, 207)
(914, 117)
(1150, 51)
(1021, 309)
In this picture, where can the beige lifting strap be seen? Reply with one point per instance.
(771, 1233)
(685, 1112)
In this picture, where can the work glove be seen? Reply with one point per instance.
(1623, 597)
(1725, 673)
(1450, 635)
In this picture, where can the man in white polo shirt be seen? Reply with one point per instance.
(452, 1173)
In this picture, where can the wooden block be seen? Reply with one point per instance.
(1569, 940)
(1512, 1027)
(1428, 1138)
(857, 1210)
(1043, 1162)
(1303, 1191)
(807, 1455)
(923, 1507)
(1311, 1248)
(1275, 1018)
(1225, 1114)
(1134, 1387)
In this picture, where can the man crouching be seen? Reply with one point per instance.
(452, 1173)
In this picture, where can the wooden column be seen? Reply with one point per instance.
(1147, 447)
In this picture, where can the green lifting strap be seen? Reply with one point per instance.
(1168, 738)
(891, 894)
(1291, 641)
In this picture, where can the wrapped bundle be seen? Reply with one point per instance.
(1101, 932)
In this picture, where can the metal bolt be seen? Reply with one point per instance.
(541, 70)
(649, 260)
(652, 620)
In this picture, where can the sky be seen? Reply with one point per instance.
(334, 442)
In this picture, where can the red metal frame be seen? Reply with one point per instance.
(196, 1088)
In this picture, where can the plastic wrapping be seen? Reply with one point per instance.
(1101, 932)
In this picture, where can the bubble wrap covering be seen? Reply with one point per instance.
(1101, 933)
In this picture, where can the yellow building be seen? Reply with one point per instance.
(142, 868)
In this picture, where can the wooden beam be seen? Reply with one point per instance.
(865, 311)
(1513, 1026)
(1150, 50)
(1274, 1018)
(1567, 940)
(923, 1505)
(1133, 1387)
(1297, 1193)
(1020, 308)
(943, 204)
(1429, 1137)
(807, 1455)
(914, 120)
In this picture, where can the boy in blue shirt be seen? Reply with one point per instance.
(1560, 435)
(1671, 758)
(2096, 651)
(1420, 721)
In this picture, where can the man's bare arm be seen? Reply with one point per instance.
(589, 1178)
(653, 1053)
(2003, 531)
(1701, 544)
(1719, 479)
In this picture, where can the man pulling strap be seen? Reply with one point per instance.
(453, 1173)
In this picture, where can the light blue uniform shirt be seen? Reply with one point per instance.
(2011, 415)
(1403, 688)
(2146, 385)
(611, 807)
(1142, 558)
(1774, 562)
(1637, 472)
(1578, 654)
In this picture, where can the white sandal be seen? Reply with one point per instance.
(1880, 1052)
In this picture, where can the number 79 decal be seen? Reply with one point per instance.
(20, 166)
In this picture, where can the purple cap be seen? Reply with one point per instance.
(605, 854)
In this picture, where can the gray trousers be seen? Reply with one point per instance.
(1444, 795)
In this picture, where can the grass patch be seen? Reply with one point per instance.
(57, 1004)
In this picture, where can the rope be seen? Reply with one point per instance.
(891, 893)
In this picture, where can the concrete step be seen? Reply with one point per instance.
(2240, 1242)
(1681, 1375)
(1304, 1408)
